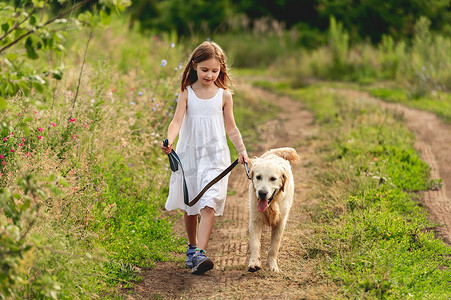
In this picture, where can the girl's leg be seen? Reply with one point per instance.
(205, 227)
(191, 228)
(201, 263)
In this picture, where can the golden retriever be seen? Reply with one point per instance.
(271, 193)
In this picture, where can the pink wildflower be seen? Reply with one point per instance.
(11, 133)
(2, 157)
(74, 136)
(28, 154)
(5, 139)
(35, 112)
(4, 163)
(39, 137)
(40, 129)
(20, 144)
(53, 124)
(12, 150)
(23, 140)
(72, 120)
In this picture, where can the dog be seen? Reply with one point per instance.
(271, 192)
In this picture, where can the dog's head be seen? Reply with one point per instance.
(268, 177)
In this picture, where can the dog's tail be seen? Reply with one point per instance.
(286, 153)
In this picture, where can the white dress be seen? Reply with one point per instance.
(204, 153)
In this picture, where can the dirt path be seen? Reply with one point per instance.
(228, 247)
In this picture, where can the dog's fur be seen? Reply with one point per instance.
(270, 176)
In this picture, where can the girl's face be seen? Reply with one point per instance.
(208, 71)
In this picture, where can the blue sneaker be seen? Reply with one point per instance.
(201, 263)
(189, 256)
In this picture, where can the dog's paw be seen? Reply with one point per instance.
(273, 266)
(254, 263)
(253, 269)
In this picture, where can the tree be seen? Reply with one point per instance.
(290, 12)
(27, 28)
(182, 16)
(373, 18)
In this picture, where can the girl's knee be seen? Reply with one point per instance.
(207, 210)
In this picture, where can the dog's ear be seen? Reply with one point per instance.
(250, 165)
(252, 180)
(284, 181)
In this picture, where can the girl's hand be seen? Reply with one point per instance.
(242, 158)
(168, 149)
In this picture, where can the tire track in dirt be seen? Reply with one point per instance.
(228, 245)
(433, 142)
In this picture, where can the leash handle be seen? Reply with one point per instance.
(174, 162)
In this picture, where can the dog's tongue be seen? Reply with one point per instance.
(262, 205)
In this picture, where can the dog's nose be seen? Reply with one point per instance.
(262, 194)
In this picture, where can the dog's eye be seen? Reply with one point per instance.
(258, 177)
(272, 178)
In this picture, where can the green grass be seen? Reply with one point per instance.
(438, 103)
(376, 239)
(129, 222)
(256, 50)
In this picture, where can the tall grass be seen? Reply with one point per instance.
(421, 65)
(96, 163)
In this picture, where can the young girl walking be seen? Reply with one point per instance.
(204, 106)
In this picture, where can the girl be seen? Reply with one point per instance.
(204, 105)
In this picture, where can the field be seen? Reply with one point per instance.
(84, 182)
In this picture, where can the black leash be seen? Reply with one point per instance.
(174, 162)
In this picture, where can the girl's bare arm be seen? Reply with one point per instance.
(232, 131)
(176, 123)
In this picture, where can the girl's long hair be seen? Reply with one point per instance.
(205, 51)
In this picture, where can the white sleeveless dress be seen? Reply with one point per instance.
(204, 153)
